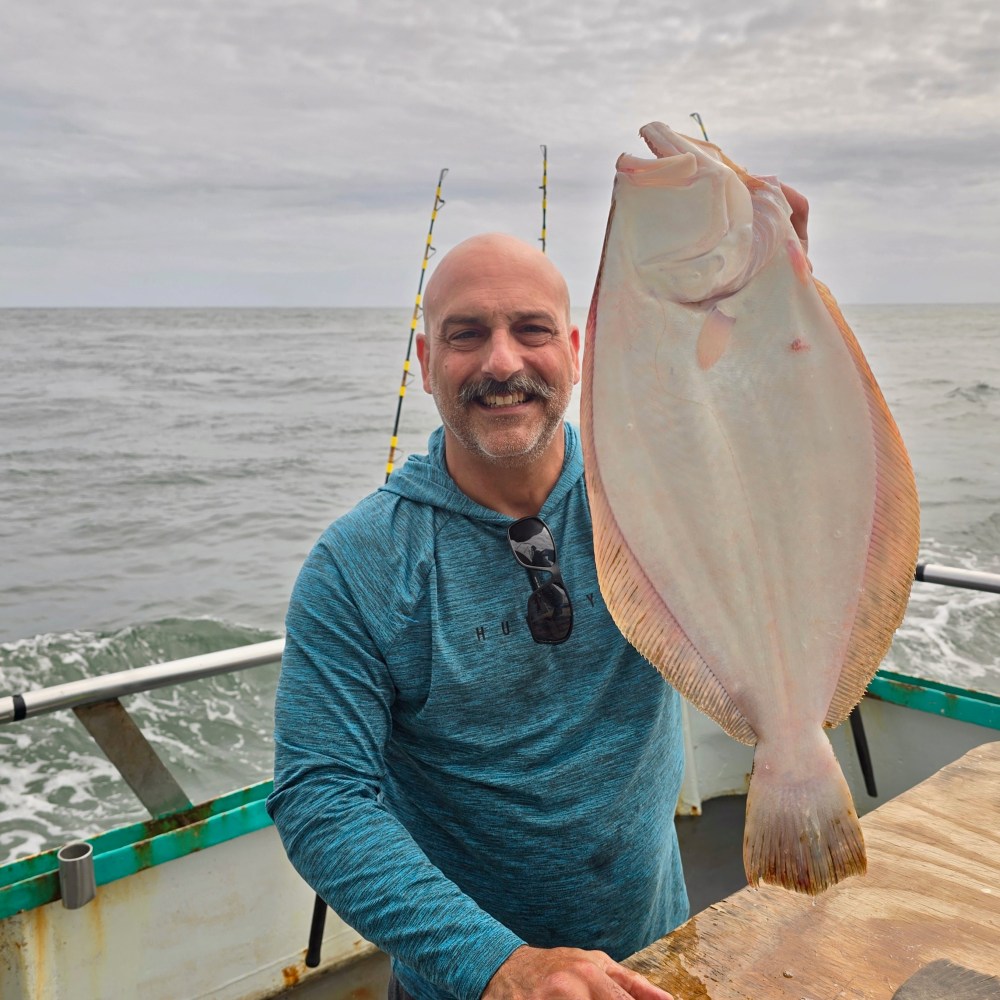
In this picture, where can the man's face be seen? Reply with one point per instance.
(499, 354)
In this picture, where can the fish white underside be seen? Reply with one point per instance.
(750, 473)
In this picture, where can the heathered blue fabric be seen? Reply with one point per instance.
(452, 788)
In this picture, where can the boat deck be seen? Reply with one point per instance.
(712, 849)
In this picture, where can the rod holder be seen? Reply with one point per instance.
(76, 874)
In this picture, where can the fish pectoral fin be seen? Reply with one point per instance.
(893, 542)
(802, 830)
(649, 625)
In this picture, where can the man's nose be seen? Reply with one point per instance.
(503, 357)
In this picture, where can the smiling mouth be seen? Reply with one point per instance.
(494, 402)
(495, 396)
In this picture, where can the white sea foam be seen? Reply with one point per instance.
(57, 785)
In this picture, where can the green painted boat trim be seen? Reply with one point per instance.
(34, 881)
(976, 707)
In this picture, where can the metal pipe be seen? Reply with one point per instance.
(107, 686)
(77, 884)
(951, 577)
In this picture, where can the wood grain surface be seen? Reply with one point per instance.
(932, 892)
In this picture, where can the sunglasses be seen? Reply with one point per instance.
(550, 614)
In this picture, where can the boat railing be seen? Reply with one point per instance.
(95, 700)
(89, 690)
(950, 577)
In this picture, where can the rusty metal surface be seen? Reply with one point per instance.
(123, 744)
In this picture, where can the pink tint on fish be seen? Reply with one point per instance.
(713, 338)
(799, 261)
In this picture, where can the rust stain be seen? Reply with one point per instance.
(194, 817)
(95, 914)
(12, 956)
(363, 993)
(177, 820)
(144, 853)
(39, 934)
(291, 974)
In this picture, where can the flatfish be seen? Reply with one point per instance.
(756, 522)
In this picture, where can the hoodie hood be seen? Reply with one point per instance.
(425, 479)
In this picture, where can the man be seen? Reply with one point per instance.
(492, 809)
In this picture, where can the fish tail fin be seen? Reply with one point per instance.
(802, 830)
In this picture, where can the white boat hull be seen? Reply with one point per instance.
(230, 922)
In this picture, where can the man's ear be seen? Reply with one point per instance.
(424, 357)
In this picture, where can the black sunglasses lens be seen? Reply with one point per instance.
(550, 614)
(532, 544)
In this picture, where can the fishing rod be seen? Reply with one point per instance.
(701, 125)
(429, 251)
(318, 922)
(544, 188)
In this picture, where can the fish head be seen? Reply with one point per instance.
(688, 216)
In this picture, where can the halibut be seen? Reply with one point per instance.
(756, 522)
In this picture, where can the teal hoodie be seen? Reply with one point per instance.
(450, 787)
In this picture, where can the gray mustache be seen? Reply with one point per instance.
(472, 391)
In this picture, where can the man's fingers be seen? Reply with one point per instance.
(568, 973)
(636, 986)
(799, 205)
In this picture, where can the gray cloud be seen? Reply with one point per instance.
(204, 151)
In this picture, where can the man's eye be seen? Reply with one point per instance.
(533, 332)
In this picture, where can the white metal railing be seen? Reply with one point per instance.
(950, 577)
(90, 690)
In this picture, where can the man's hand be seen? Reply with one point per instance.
(567, 974)
(800, 215)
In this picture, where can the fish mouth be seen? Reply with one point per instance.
(675, 163)
(664, 141)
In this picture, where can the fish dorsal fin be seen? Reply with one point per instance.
(893, 545)
(654, 632)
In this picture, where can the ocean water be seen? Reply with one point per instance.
(163, 473)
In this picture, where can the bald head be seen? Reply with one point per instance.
(496, 258)
(500, 356)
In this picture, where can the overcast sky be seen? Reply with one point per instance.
(211, 152)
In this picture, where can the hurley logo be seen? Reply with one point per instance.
(484, 632)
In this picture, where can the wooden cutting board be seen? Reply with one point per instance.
(932, 893)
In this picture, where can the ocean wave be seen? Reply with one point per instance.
(950, 635)
(213, 734)
(980, 392)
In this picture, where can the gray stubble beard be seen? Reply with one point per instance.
(453, 416)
